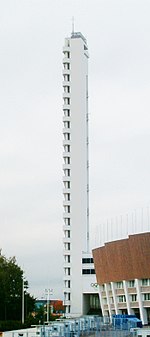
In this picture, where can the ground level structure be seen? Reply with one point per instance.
(123, 275)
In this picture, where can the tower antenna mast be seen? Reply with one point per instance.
(73, 25)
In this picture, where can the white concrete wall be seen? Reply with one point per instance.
(79, 174)
(79, 225)
(78, 170)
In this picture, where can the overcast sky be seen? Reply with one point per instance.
(32, 35)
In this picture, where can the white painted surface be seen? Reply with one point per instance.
(31, 332)
(77, 62)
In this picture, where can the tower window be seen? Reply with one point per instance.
(67, 245)
(67, 222)
(66, 100)
(66, 77)
(67, 160)
(67, 271)
(67, 54)
(66, 66)
(67, 209)
(67, 136)
(67, 124)
(67, 89)
(67, 172)
(67, 184)
(67, 148)
(67, 234)
(66, 112)
(67, 196)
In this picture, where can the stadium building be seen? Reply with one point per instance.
(123, 276)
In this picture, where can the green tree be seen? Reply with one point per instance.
(11, 288)
(40, 316)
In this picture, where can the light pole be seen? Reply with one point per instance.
(48, 292)
(24, 286)
(23, 301)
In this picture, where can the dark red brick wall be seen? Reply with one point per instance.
(123, 259)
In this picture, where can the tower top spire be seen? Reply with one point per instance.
(73, 25)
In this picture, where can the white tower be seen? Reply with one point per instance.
(76, 169)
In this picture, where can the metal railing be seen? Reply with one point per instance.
(93, 326)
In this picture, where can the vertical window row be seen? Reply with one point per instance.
(66, 158)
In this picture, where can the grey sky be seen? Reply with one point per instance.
(32, 34)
